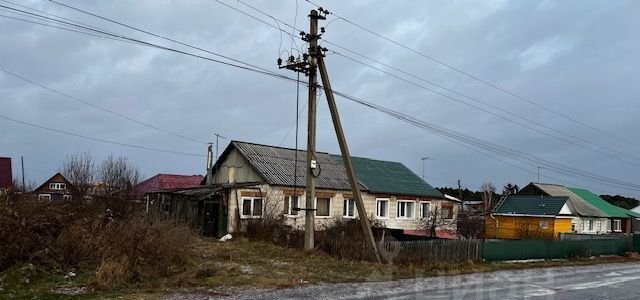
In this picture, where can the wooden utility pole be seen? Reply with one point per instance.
(460, 195)
(346, 157)
(309, 64)
(24, 187)
(309, 222)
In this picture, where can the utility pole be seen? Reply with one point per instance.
(460, 194)
(24, 187)
(309, 65)
(423, 159)
(346, 157)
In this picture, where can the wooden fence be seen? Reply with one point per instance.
(412, 251)
(432, 250)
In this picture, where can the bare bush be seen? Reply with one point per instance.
(470, 226)
(88, 236)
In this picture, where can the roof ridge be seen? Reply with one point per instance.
(374, 159)
(278, 147)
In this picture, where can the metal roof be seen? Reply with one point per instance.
(387, 177)
(531, 205)
(276, 166)
(610, 209)
(577, 204)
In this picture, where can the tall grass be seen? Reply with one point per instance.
(108, 236)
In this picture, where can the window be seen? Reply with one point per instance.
(446, 211)
(44, 197)
(544, 224)
(425, 209)
(323, 207)
(382, 208)
(290, 205)
(251, 207)
(590, 225)
(598, 225)
(66, 197)
(617, 225)
(57, 186)
(348, 209)
(406, 209)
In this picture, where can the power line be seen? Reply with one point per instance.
(100, 107)
(485, 82)
(453, 91)
(443, 132)
(99, 139)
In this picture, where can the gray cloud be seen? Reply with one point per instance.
(577, 57)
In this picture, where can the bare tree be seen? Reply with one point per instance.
(118, 175)
(488, 190)
(79, 169)
(437, 218)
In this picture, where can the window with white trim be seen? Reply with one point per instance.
(291, 203)
(425, 208)
(406, 209)
(590, 225)
(616, 225)
(44, 197)
(349, 208)
(57, 186)
(251, 207)
(382, 208)
(66, 197)
(323, 207)
(544, 224)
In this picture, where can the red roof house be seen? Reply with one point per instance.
(165, 182)
(6, 177)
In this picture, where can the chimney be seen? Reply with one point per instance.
(209, 157)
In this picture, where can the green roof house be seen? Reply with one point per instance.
(621, 219)
(263, 179)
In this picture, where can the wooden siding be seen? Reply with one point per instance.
(236, 164)
(517, 227)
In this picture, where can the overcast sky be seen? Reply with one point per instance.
(579, 58)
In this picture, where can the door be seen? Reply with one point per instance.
(211, 213)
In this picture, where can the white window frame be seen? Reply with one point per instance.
(413, 213)
(57, 186)
(428, 203)
(590, 225)
(616, 225)
(378, 200)
(345, 208)
(43, 196)
(290, 213)
(544, 224)
(66, 197)
(253, 201)
(315, 206)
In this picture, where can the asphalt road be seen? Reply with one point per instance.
(605, 281)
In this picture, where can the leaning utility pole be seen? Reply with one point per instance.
(346, 157)
(308, 65)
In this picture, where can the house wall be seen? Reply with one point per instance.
(235, 168)
(273, 206)
(515, 227)
(600, 225)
